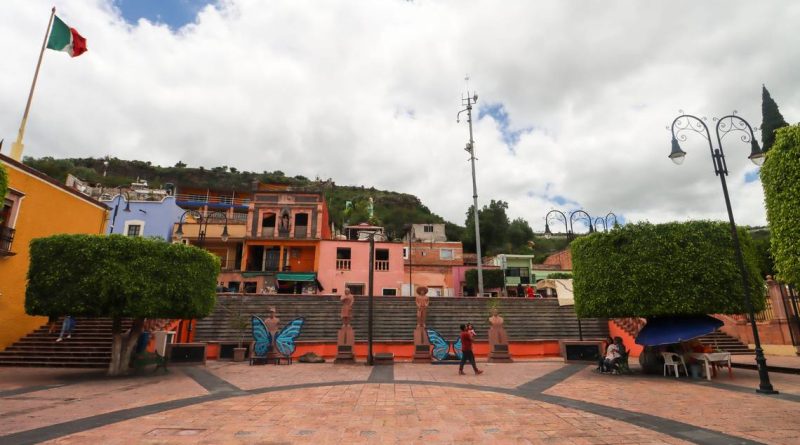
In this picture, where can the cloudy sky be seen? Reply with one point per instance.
(574, 97)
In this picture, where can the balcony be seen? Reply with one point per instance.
(6, 238)
(382, 265)
(211, 201)
(343, 264)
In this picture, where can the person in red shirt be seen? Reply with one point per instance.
(530, 292)
(467, 336)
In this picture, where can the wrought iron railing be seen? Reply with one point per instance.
(6, 238)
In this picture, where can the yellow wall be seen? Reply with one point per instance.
(45, 210)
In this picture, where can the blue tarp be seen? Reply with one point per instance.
(670, 330)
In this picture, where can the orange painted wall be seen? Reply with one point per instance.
(627, 340)
(405, 351)
(45, 210)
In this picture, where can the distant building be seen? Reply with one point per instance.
(427, 233)
(142, 218)
(430, 260)
(344, 264)
(35, 206)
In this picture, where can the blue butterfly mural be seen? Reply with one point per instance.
(441, 347)
(284, 339)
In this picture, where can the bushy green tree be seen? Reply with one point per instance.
(492, 278)
(3, 183)
(780, 176)
(494, 225)
(119, 277)
(520, 237)
(644, 269)
(771, 119)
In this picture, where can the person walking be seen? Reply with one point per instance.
(66, 328)
(467, 336)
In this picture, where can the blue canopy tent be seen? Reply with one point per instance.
(670, 330)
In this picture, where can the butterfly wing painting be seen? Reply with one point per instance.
(262, 337)
(457, 348)
(284, 340)
(441, 348)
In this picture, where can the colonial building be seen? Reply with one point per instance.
(35, 206)
(430, 260)
(344, 264)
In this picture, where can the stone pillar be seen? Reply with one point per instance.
(498, 340)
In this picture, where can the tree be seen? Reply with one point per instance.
(643, 270)
(494, 228)
(771, 119)
(119, 277)
(780, 176)
(520, 237)
(180, 164)
(492, 278)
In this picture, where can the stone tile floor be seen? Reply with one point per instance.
(228, 402)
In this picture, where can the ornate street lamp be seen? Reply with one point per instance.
(725, 125)
(605, 222)
(547, 233)
(116, 207)
(585, 216)
(203, 225)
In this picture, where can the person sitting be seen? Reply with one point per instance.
(622, 363)
(601, 361)
(612, 357)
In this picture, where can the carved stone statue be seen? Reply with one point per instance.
(272, 321)
(498, 339)
(422, 301)
(347, 307)
(345, 339)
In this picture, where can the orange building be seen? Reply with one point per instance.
(35, 206)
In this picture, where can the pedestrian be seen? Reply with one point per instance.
(530, 292)
(520, 290)
(467, 336)
(66, 328)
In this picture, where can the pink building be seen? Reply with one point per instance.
(345, 264)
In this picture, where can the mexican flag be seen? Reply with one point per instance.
(64, 38)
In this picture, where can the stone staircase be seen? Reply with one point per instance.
(723, 341)
(89, 347)
(394, 318)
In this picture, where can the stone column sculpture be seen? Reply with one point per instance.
(422, 346)
(345, 339)
(498, 339)
(271, 323)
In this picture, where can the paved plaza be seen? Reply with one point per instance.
(527, 402)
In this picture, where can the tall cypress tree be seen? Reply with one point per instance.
(771, 119)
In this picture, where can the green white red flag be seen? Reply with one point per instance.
(64, 38)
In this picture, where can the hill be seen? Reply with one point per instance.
(391, 209)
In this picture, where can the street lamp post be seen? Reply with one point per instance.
(585, 216)
(203, 225)
(116, 207)
(725, 125)
(547, 233)
(604, 221)
(470, 148)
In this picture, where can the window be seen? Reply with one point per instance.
(8, 216)
(343, 258)
(301, 219)
(389, 292)
(446, 254)
(268, 221)
(382, 259)
(133, 227)
(405, 253)
(427, 228)
(355, 289)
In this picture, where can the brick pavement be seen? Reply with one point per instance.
(325, 403)
(748, 415)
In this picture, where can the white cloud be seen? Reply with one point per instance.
(367, 93)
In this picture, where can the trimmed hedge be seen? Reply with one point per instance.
(780, 177)
(559, 276)
(642, 270)
(119, 276)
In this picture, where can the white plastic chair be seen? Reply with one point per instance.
(676, 361)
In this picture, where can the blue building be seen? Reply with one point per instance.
(142, 218)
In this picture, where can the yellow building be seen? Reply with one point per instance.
(35, 206)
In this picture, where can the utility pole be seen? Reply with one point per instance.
(470, 148)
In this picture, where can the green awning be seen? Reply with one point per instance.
(296, 276)
(255, 274)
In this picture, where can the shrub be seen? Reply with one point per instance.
(642, 270)
(559, 276)
(780, 177)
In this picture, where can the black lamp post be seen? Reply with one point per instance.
(725, 125)
(116, 207)
(581, 214)
(547, 233)
(203, 222)
(605, 222)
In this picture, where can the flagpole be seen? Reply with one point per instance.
(16, 147)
